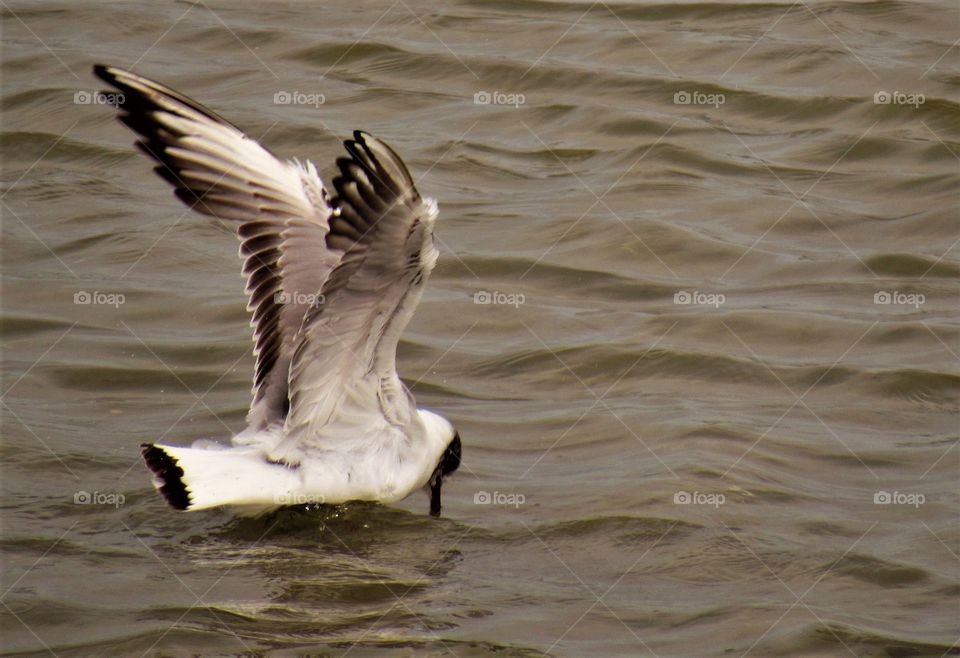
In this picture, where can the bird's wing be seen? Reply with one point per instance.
(280, 210)
(343, 372)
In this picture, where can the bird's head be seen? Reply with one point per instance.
(449, 462)
(446, 442)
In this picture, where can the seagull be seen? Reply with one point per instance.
(333, 278)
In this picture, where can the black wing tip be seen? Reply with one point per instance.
(358, 153)
(168, 470)
(112, 76)
(103, 72)
(383, 166)
(360, 138)
(141, 95)
(361, 151)
(371, 180)
(109, 74)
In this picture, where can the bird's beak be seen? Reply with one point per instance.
(435, 483)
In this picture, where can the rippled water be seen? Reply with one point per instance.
(590, 203)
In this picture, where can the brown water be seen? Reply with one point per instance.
(780, 201)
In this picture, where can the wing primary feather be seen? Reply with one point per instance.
(217, 170)
(384, 229)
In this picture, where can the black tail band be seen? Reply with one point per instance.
(166, 468)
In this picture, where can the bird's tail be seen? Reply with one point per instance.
(197, 478)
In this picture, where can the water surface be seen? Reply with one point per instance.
(723, 321)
